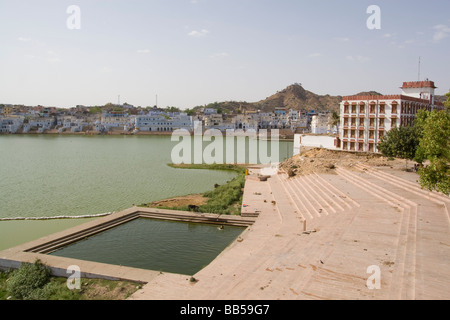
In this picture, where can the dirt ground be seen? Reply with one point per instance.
(193, 199)
(325, 161)
(97, 290)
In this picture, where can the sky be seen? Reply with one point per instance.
(186, 53)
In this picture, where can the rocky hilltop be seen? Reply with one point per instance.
(297, 98)
(293, 97)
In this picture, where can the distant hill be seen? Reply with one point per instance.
(293, 97)
(297, 98)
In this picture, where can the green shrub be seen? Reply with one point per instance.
(224, 199)
(27, 282)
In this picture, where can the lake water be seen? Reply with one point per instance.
(51, 175)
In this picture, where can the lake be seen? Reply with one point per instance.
(71, 175)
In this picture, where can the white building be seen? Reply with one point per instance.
(11, 124)
(163, 123)
(213, 120)
(366, 119)
(41, 122)
(209, 111)
(320, 124)
(111, 120)
(419, 89)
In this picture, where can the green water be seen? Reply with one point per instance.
(166, 246)
(51, 175)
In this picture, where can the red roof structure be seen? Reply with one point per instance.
(419, 84)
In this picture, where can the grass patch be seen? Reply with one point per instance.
(224, 199)
(34, 282)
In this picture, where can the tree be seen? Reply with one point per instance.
(335, 120)
(434, 150)
(400, 143)
(95, 110)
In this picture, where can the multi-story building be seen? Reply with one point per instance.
(163, 122)
(11, 124)
(366, 119)
(115, 119)
(321, 124)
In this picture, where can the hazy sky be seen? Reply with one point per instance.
(193, 52)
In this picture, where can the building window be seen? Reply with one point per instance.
(381, 123)
(352, 133)
(362, 108)
(372, 108)
(382, 108)
(354, 108)
(371, 134)
(393, 123)
(372, 122)
(353, 122)
(361, 134)
(381, 135)
(346, 109)
(361, 146)
(361, 122)
(394, 108)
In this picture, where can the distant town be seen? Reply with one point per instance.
(361, 123)
(128, 119)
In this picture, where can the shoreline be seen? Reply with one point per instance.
(282, 137)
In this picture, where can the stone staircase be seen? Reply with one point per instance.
(424, 253)
(402, 205)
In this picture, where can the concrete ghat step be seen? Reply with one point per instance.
(298, 199)
(429, 229)
(407, 185)
(319, 197)
(396, 287)
(329, 185)
(296, 268)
